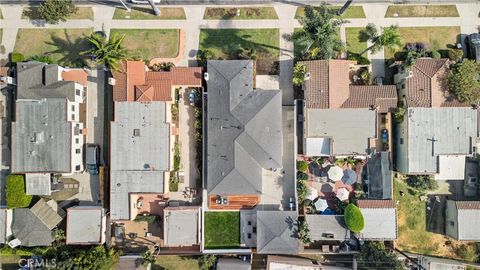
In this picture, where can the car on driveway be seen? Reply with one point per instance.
(473, 43)
(93, 157)
(192, 97)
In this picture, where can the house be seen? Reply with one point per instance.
(47, 132)
(436, 141)
(463, 220)
(86, 225)
(33, 227)
(434, 263)
(182, 226)
(140, 151)
(276, 232)
(232, 264)
(380, 218)
(378, 176)
(296, 263)
(136, 83)
(327, 228)
(342, 118)
(244, 136)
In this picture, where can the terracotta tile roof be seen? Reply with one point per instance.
(329, 88)
(76, 75)
(468, 205)
(364, 96)
(427, 86)
(136, 84)
(376, 204)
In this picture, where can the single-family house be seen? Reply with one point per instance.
(244, 136)
(34, 226)
(47, 132)
(182, 226)
(378, 176)
(342, 118)
(86, 225)
(380, 218)
(434, 263)
(296, 263)
(463, 220)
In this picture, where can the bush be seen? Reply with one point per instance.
(54, 11)
(302, 176)
(15, 192)
(147, 218)
(455, 55)
(304, 232)
(354, 218)
(436, 55)
(299, 74)
(422, 182)
(302, 165)
(207, 262)
(302, 190)
(16, 57)
(165, 66)
(399, 114)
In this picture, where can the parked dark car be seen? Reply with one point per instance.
(473, 43)
(93, 157)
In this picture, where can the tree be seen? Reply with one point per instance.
(389, 38)
(98, 258)
(302, 165)
(299, 71)
(422, 182)
(107, 51)
(207, 262)
(54, 11)
(455, 55)
(15, 192)
(147, 258)
(463, 81)
(319, 33)
(374, 255)
(354, 218)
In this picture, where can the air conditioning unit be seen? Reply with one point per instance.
(205, 76)
(410, 73)
(111, 81)
(8, 80)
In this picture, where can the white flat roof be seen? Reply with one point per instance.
(451, 167)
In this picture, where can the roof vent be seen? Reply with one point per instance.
(307, 76)
(136, 132)
(146, 166)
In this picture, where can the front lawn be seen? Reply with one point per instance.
(85, 13)
(223, 42)
(422, 11)
(253, 13)
(146, 13)
(353, 12)
(412, 234)
(15, 192)
(222, 229)
(150, 43)
(354, 45)
(64, 46)
(435, 38)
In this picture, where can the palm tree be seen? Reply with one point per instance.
(147, 258)
(154, 7)
(389, 38)
(107, 51)
(319, 34)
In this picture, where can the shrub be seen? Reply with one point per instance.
(41, 58)
(165, 66)
(302, 190)
(148, 218)
(207, 262)
(54, 11)
(399, 114)
(422, 182)
(299, 74)
(15, 192)
(304, 232)
(354, 218)
(16, 57)
(302, 165)
(455, 55)
(436, 55)
(302, 176)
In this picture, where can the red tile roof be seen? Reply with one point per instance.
(76, 75)
(468, 205)
(137, 84)
(376, 204)
(329, 88)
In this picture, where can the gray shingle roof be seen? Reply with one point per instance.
(276, 232)
(138, 163)
(451, 128)
(85, 225)
(41, 136)
(181, 225)
(243, 129)
(320, 225)
(379, 176)
(349, 128)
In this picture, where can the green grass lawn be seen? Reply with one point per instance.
(85, 13)
(170, 262)
(150, 43)
(353, 12)
(436, 38)
(265, 42)
(422, 11)
(146, 13)
(253, 13)
(354, 45)
(65, 46)
(222, 229)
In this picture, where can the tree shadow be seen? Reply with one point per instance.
(71, 49)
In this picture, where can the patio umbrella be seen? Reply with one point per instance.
(327, 187)
(312, 194)
(335, 173)
(321, 205)
(349, 177)
(342, 194)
